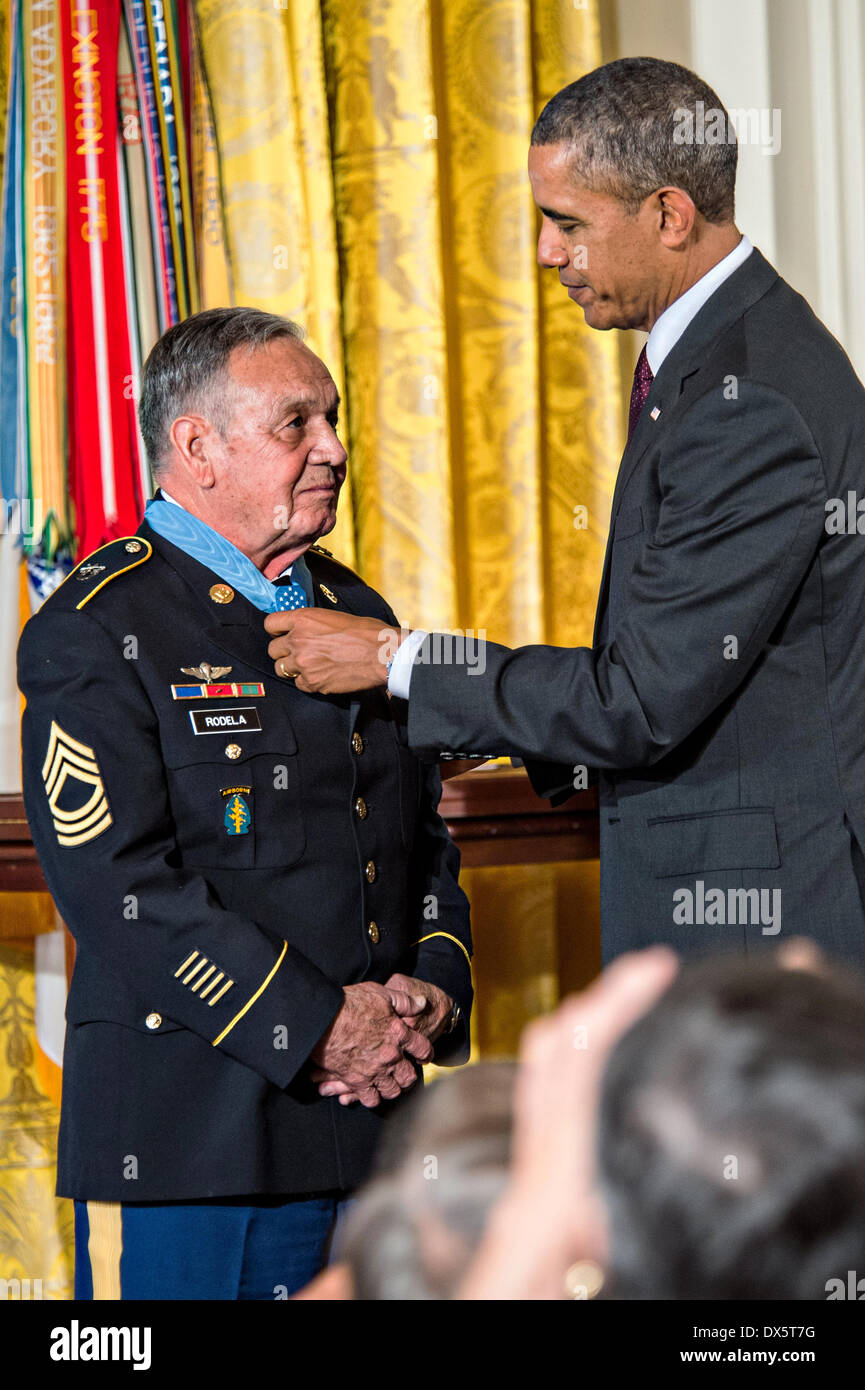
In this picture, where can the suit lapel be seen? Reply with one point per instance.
(729, 302)
(634, 450)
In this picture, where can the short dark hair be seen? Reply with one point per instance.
(733, 1134)
(622, 121)
(186, 369)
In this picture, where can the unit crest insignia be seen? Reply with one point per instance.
(238, 817)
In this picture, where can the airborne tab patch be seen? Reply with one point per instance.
(67, 761)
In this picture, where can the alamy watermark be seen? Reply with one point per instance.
(730, 907)
(752, 125)
(20, 1290)
(23, 518)
(852, 1288)
(454, 647)
(77, 1343)
(845, 516)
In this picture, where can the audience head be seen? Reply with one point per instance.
(732, 1136)
(445, 1164)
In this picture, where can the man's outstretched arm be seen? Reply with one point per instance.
(740, 521)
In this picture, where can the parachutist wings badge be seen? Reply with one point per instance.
(68, 761)
(205, 672)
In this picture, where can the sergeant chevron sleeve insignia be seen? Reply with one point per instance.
(66, 761)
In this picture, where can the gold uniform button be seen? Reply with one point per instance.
(153, 1020)
(370, 871)
(221, 593)
(357, 743)
(233, 751)
(133, 547)
(373, 933)
(360, 807)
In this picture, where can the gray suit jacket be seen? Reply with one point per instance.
(723, 700)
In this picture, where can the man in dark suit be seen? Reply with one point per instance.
(722, 701)
(270, 933)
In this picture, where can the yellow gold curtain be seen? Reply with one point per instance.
(263, 65)
(373, 166)
(36, 1228)
(483, 411)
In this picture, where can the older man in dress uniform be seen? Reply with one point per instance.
(270, 933)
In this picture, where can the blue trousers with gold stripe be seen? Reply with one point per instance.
(231, 1248)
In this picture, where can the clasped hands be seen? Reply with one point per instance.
(370, 1051)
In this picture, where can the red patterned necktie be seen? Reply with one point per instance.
(643, 378)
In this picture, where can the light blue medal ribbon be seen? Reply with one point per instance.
(198, 540)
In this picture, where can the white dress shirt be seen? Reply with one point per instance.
(675, 319)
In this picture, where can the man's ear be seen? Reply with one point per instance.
(193, 438)
(676, 216)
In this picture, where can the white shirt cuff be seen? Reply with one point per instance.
(399, 680)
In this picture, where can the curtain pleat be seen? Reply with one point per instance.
(386, 183)
(264, 70)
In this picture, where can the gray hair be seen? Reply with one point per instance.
(441, 1170)
(627, 124)
(187, 370)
